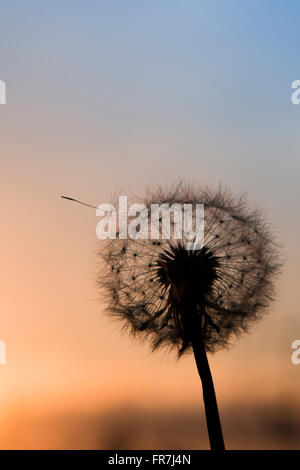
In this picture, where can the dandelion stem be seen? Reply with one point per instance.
(209, 396)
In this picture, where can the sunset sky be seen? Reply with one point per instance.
(108, 96)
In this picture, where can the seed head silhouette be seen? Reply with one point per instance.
(197, 300)
(194, 300)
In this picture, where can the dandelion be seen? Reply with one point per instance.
(198, 300)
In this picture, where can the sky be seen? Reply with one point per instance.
(109, 96)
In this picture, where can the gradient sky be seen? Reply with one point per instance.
(104, 96)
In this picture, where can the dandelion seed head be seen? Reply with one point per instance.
(151, 285)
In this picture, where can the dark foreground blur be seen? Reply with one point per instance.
(251, 427)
